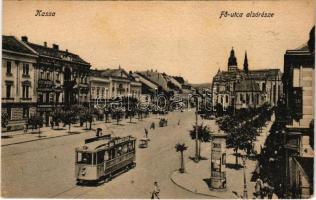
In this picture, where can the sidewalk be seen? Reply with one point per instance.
(18, 137)
(193, 179)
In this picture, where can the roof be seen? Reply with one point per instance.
(260, 74)
(307, 164)
(56, 53)
(157, 78)
(179, 79)
(12, 44)
(247, 86)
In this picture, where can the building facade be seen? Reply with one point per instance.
(299, 100)
(112, 83)
(18, 82)
(61, 78)
(230, 88)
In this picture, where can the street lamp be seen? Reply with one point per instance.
(245, 193)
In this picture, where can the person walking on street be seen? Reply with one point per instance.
(25, 128)
(152, 126)
(146, 132)
(155, 193)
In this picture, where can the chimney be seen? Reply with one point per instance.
(45, 44)
(24, 38)
(55, 46)
(66, 50)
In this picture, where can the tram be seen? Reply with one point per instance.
(102, 157)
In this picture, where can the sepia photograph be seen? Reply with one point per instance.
(157, 99)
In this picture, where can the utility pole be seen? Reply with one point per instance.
(245, 194)
(196, 133)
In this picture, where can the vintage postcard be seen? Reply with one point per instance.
(157, 99)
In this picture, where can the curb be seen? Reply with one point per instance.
(44, 138)
(184, 188)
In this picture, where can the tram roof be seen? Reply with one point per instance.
(104, 143)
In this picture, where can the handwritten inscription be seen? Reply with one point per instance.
(226, 14)
(41, 13)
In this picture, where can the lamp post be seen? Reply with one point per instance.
(196, 135)
(245, 193)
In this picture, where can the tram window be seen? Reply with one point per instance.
(84, 158)
(94, 158)
(125, 148)
(130, 147)
(106, 156)
(119, 151)
(100, 157)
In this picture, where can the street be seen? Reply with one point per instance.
(45, 168)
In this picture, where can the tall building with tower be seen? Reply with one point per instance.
(244, 88)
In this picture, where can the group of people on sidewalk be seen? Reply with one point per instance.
(263, 189)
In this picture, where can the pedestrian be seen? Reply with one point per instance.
(146, 132)
(156, 191)
(270, 190)
(265, 189)
(258, 188)
(152, 126)
(25, 128)
(179, 122)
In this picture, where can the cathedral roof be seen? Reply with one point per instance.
(247, 86)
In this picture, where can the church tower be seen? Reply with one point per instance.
(232, 61)
(246, 69)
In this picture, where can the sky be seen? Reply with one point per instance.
(178, 38)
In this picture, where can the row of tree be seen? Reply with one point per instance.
(243, 127)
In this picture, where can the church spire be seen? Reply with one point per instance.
(232, 61)
(246, 69)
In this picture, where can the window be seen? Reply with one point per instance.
(25, 112)
(264, 87)
(48, 76)
(25, 91)
(247, 98)
(57, 76)
(102, 93)
(9, 113)
(26, 69)
(241, 98)
(226, 99)
(42, 75)
(98, 92)
(8, 91)
(9, 67)
(100, 157)
(92, 91)
(84, 158)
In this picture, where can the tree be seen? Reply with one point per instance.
(203, 135)
(69, 117)
(36, 121)
(4, 119)
(181, 148)
(57, 116)
(130, 113)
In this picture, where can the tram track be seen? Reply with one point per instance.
(74, 192)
